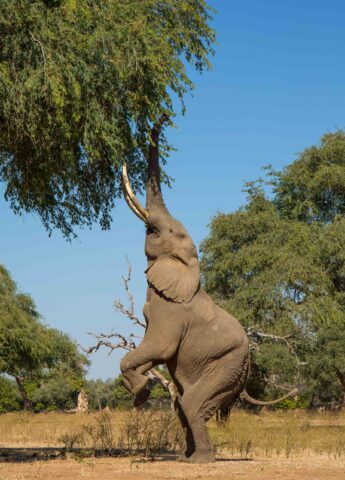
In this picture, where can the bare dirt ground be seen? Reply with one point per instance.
(298, 468)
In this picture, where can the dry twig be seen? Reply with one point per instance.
(259, 337)
(105, 339)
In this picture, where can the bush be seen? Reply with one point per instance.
(149, 433)
(54, 394)
(101, 434)
(9, 396)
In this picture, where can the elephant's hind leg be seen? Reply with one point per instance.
(190, 445)
(221, 382)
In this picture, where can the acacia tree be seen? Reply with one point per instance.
(30, 352)
(80, 85)
(278, 264)
(62, 376)
(312, 191)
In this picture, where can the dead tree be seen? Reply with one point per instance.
(115, 340)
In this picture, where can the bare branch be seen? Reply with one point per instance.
(105, 339)
(129, 312)
(278, 386)
(260, 336)
(125, 311)
(126, 281)
(42, 49)
(128, 345)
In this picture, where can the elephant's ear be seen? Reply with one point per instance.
(175, 277)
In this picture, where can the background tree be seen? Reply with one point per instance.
(9, 396)
(80, 83)
(312, 189)
(33, 354)
(57, 384)
(278, 264)
(113, 394)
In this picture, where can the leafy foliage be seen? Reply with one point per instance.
(80, 83)
(106, 393)
(9, 396)
(313, 187)
(39, 358)
(113, 394)
(278, 265)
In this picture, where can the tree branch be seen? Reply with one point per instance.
(129, 312)
(42, 50)
(105, 339)
(259, 337)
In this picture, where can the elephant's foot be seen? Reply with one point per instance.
(182, 458)
(139, 383)
(185, 455)
(202, 457)
(135, 381)
(141, 397)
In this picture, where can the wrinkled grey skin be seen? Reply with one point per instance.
(205, 349)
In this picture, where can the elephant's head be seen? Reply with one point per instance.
(173, 261)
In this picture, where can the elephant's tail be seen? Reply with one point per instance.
(245, 396)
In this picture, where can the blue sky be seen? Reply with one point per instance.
(277, 84)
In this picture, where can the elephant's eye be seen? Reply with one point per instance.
(151, 230)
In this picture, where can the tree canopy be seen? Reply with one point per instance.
(278, 264)
(80, 84)
(312, 188)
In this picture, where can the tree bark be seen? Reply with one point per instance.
(341, 378)
(26, 400)
(153, 187)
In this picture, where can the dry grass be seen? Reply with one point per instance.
(282, 433)
(47, 429)
(285, 446)
(269, 434)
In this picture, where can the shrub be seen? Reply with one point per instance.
(9, 396)
(150, 433)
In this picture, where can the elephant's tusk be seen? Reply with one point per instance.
(130, 198)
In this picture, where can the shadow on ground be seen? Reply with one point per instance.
(18, 455)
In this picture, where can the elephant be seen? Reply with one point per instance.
(205, 349)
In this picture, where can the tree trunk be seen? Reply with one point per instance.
(223, 413)
(341, 378)
(153, 188)
(312, 401)
(26, 400)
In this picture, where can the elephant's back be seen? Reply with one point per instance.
(209, 317)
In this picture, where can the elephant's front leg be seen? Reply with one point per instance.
(146, 356)
(133, 377)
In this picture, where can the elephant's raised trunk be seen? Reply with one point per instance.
(153, 188)
(154, 197)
